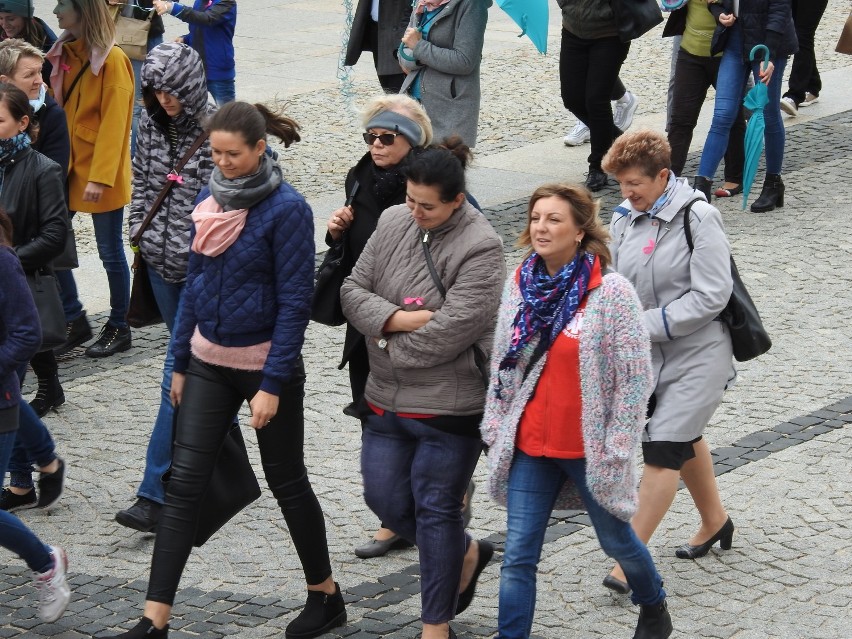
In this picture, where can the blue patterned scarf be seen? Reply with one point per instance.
(9, 148)
(549, 303)
(664, 198)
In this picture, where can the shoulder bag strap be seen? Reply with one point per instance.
(79, 75)
(687, 230)
(134, 241)
(424, 242)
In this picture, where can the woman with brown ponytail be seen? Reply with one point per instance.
(238, 338)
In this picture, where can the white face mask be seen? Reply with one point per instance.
(39, 101)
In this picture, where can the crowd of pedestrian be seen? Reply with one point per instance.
(601, 344)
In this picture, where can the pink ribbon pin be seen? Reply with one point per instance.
(413, 300)
(650, 248)
(174, 177)
(64, 67)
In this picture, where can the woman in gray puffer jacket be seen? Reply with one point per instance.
(175, 91)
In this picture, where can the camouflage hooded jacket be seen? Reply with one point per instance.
(161, 143)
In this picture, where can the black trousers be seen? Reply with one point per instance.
(212, 396)
(693, 76)
(588, 72)
(44, 364)
(804, 75)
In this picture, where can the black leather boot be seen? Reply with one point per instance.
(771, 196)
(654, 622)
(48, 396)
(702, 184)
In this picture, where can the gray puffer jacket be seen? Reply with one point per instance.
(432, 370)
(177, 70)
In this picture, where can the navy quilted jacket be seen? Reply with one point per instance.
(258, 290)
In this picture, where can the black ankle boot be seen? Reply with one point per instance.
(143, 630)
(702, 184)
(321, 613)
(654, 622)
(49, 395)
(771, 196)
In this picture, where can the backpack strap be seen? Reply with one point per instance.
(687, 230)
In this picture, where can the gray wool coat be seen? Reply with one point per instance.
(682, 294)
(450, 61)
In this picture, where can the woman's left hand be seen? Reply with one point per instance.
(411, 38)
(162, 7)
(765, 73)
(93, 192)
(263, 406)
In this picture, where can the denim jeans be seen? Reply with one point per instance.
(137, 90)
(223, 91)
(534, 483)
(72, 307)
(414, 479)
(588, 72)
(212, 395)
(159, 454)
(33, 443)
(14, 535)
(730, 84)
(109, 238)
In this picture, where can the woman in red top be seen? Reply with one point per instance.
(570, 379)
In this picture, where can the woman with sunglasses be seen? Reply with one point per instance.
(424, 293)
(394, 126)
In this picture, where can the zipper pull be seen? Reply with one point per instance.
(426, 237)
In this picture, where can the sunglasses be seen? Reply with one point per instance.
(387, 139)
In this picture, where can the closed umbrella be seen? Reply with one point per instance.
(532, 17)
(755, 100)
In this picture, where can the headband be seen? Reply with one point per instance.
(399, 123)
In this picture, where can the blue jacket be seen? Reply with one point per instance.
(20, 329)
(258, 290)
(211, 33)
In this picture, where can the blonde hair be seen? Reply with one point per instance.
(97, 25)
(644, 149)
(404, 105)
(11, 52)
(583, 209)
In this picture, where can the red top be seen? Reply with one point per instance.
(551, 425)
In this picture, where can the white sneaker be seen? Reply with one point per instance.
(810, 98)
(625, 108)
(53, 591)
(578, 135)
(788, 106)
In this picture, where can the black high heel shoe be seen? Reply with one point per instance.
(725, 536)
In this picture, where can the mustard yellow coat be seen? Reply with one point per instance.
(99, 112)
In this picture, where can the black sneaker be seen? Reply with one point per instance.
(142, 516)
(50, 485)
(112, 340)
(77, 332)
(596, 180)
(321, 613)
(143, 630)
(10, 502)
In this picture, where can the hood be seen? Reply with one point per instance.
(176, 69)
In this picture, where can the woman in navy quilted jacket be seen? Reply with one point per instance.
(238, 337)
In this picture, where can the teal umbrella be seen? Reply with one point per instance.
(532, 17)
(755, 100)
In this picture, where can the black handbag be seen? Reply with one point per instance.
(233, 485)
(49, 306)
(748, 336)
(143, 309)
(67, 260)
(634, 18)
(325, 303)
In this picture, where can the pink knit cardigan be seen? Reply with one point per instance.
(616, 381)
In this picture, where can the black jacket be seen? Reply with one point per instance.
(53, 140)
(393, 19)
(34, 198)
(768, 22)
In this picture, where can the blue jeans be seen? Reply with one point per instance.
(137, 89)
(33, 443)
(414, 479)
(534, 483)
(158, 458)
(223, 91)
(110, 240)
(14, 535)
(730, 84)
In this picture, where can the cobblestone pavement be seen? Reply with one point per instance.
(781, 437)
